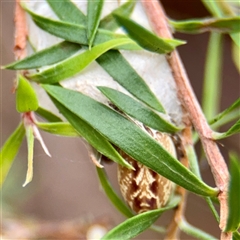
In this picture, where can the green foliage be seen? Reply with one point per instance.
(46, 57)
(233, 222)
(138, 111)
(224, 25)
(145, 38)
(76, 33)
(137, 224)
(30, 145)
(109, 21)
(75, 64)
(234, 129)
(67, 11)
(132, 141)
(58, 128)
(116, 65)
(9, 151)
(49, 116)
(212, 76)
(119, 69)
(106, 129)
(111, 194)
(234, 106)
(193, 231)
(92, 136)
(26, 98)
(94, 11)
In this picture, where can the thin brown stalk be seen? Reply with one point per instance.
(20, 32)
(173, 229)
(186, 95)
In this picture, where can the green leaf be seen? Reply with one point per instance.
(49, 116)
(46, 57)
(138, 111)
(145, 38)
(232, 130)
(194, 166)
(75, 64)
(67, 11)
(223, 25)
(212, 76)
(233, 221)
(121, 71)
(92, 136)
(193, 231)
(212, 7)
(94, 10)
(118, 68)
(236, 39)
(129, 137)
(26, 98)
(111, 194)
(236, 235)
(30, 145)
(234, 106)
(76, 32)
(109, 21)
(58, 128)
(9, 151)
(236, 54)
(137, 224)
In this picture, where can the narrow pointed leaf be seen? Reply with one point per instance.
(233, 221)
(137, 224)
(212, 76)
(194, 166)
(75, 64)
(236, 54)
(76, 32)
(111, 194)
(93, 137)
(9, 151)
(94, 10)
(138, 111)
(119, 69)
(234, 106)
(231, 131)
(223, 25)
(236, 235)
(130, 138)
(46, 57)
(26, 98)
(58, 128)
(212, 7)
(193, 231)
(30, 145)
(49, 116)
(110, 23)
(145, 38)
(67, 11)
(230, 117)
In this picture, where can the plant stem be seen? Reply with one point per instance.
(212, 77)
(193, 231)
(218, 166)
(20, 32)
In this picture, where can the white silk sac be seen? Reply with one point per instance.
(152, 67)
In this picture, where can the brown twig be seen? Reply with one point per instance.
(20, 32)
(186, 95)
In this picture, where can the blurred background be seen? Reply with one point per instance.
(65, 187)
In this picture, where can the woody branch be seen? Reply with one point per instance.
(186, 95)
